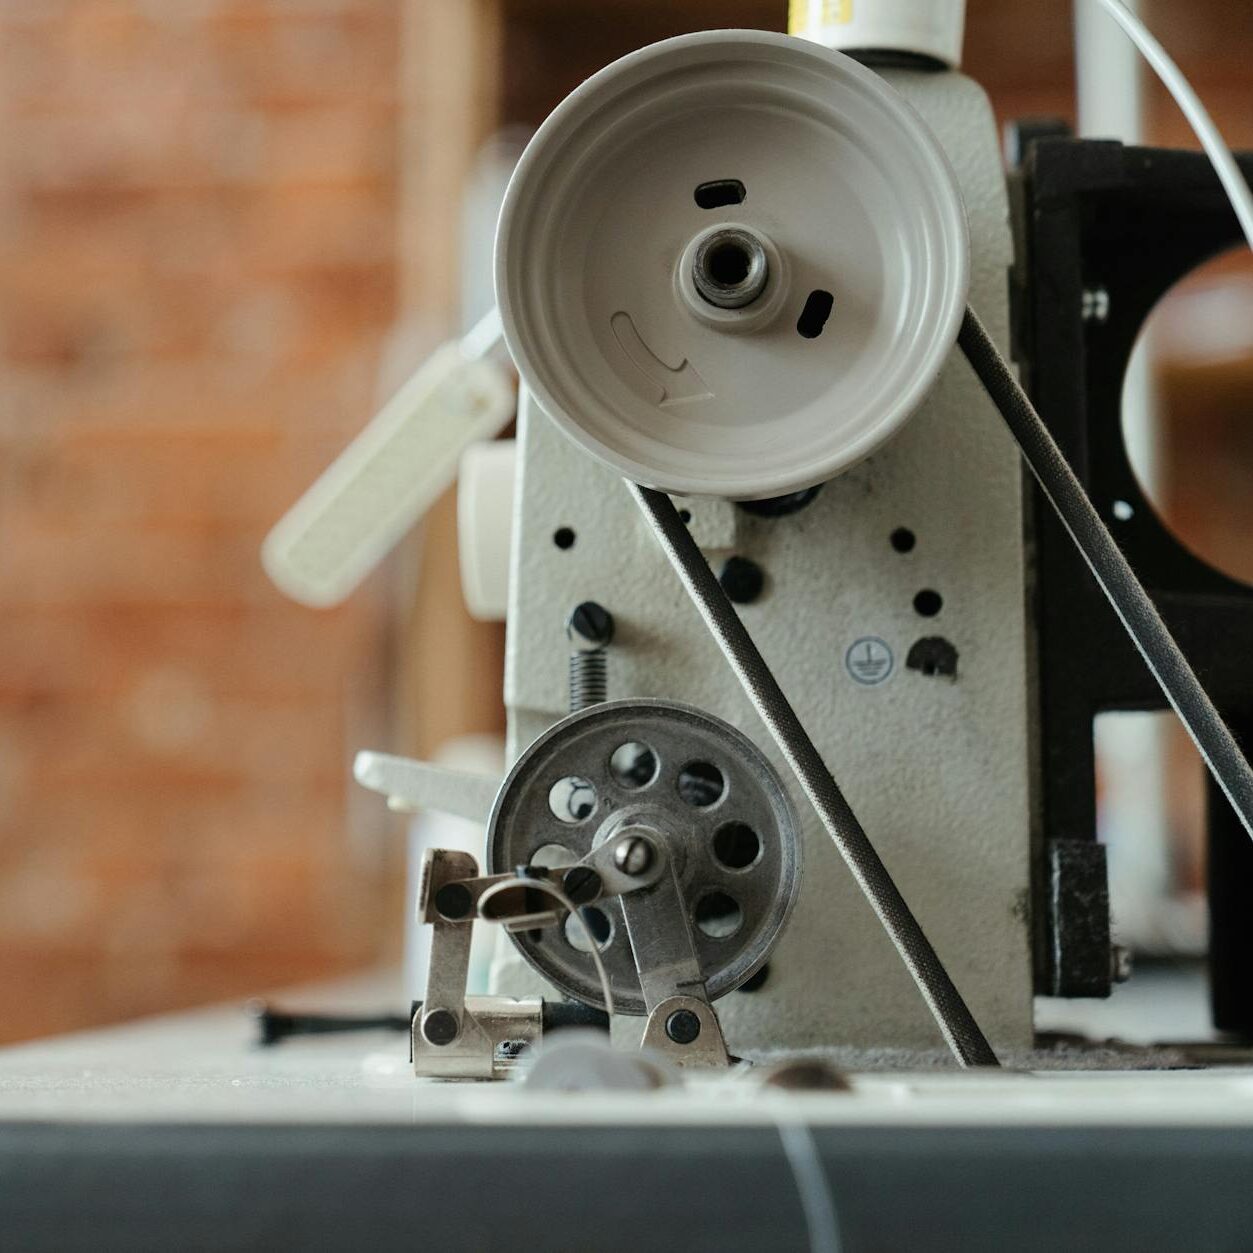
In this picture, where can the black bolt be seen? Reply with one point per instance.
(742, 580)
(590, 625)
(683, 1026)
(440, 1027)
(581, 884)
(453, 900)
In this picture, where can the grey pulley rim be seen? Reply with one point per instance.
(534, 812)
(680, 384)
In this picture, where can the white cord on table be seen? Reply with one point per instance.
(812, 1185)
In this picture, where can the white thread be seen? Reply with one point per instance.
(566, 903)
(812, 1185)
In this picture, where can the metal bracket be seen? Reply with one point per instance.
(681, 1021)
(480, 1037)
(453, 1037)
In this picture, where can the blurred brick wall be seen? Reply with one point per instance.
(196, 271)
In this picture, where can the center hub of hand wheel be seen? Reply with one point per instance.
(730, 268)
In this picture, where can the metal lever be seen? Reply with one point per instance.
(681, 1021)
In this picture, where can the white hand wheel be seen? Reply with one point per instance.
(732, 264)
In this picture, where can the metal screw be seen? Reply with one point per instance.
(581, 884)
(683, 1026)
(590, 629)
(742, 580)
(440, 1027)
(634, 856)
(590, 626)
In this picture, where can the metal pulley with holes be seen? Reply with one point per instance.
(695, 788)
(732, 264)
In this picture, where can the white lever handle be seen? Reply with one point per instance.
(411, 785)
(383, 482)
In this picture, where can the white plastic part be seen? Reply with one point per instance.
(931, 28)
(485, 526)
(411, 785)
(384, 481)
(849, 193)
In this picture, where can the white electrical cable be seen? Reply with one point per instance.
(812, 1185)
(1189, 102)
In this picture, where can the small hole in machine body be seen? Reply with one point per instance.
(563, 537)
(928, 602)
(719, 193)
(814, 315)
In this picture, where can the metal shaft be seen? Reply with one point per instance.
(1131, 602)
(955, 1020)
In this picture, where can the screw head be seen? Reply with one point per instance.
(590, 625)
(742, 580)
(683, 1026)
(634, 855)
(440, 1027)
(581, 884)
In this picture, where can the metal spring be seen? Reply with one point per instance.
(589, 679)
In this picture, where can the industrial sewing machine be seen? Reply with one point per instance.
(769, 532)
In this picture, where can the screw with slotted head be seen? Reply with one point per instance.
(634, 855)
(590, 626)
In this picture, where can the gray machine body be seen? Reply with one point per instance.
(937, 765)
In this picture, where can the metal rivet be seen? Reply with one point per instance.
(683, 1026)
(440, 1027)
(453, 900)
